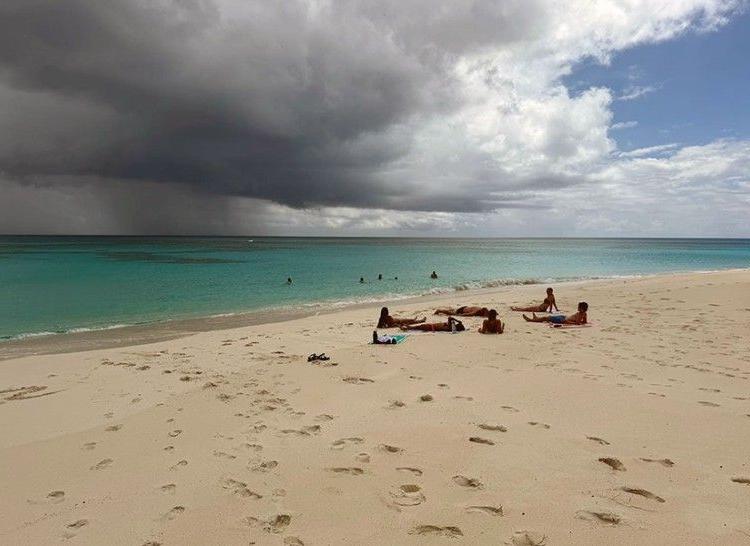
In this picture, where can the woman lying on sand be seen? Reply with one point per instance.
(464, 311)
(576, 318)
(449, 326)
(387, 321)
(549, 302)
(491, 324)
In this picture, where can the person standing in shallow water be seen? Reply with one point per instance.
(361, 280)
(434, 275)
(289, 280)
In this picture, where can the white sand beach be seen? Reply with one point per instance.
(635, 430)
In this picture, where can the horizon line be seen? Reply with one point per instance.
(186, 236)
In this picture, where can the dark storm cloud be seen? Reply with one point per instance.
(271, 100)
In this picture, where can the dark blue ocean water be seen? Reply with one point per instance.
(60, 284)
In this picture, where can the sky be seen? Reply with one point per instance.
(608, 118)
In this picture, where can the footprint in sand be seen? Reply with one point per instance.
(324, 417)
(88, 446)
(78, 524)
(743, 481)
(390, 449)
(663, 462)
(175, 433)
(178, 464)
(357, 380)
(168, 488)
(709, 404)
(598, 440)
(265, 466)
(343, 442)
(275, 524)
(53, 497)
(412, 470)
(489, 510)
(101, 465)
(609, 518)
(113, 428)
(528, 538)
(408, 495)
(56, 496)
(537, 424)
(351, 470)
(478, 440)
(614, 464)
(493, 427)
(303, 432)
(224, 455)
(510, 409)
(435, 530)
(173, 513)
(239, 488)
(463, 481)
(643, 493)
(362, 458)
(293, 541)
(396, 404)
(426, 398)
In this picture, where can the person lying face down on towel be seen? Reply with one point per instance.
(547, 305)
(464, 311)
(451, 325)
(387, 321)
(491, 324)
(576, 318)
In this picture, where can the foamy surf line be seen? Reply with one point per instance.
(76, 330)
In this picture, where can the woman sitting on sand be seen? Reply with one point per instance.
(450, 326)
(578, 318)
(464, 311)
(549, 302)
(387, 321)
(491, 324)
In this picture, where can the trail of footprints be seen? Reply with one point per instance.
(403, 495)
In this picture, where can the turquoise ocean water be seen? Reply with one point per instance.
(62, 284)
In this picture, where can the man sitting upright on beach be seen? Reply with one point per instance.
(578, 318)
(492, 325)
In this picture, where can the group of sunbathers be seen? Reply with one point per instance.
(491, 324)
